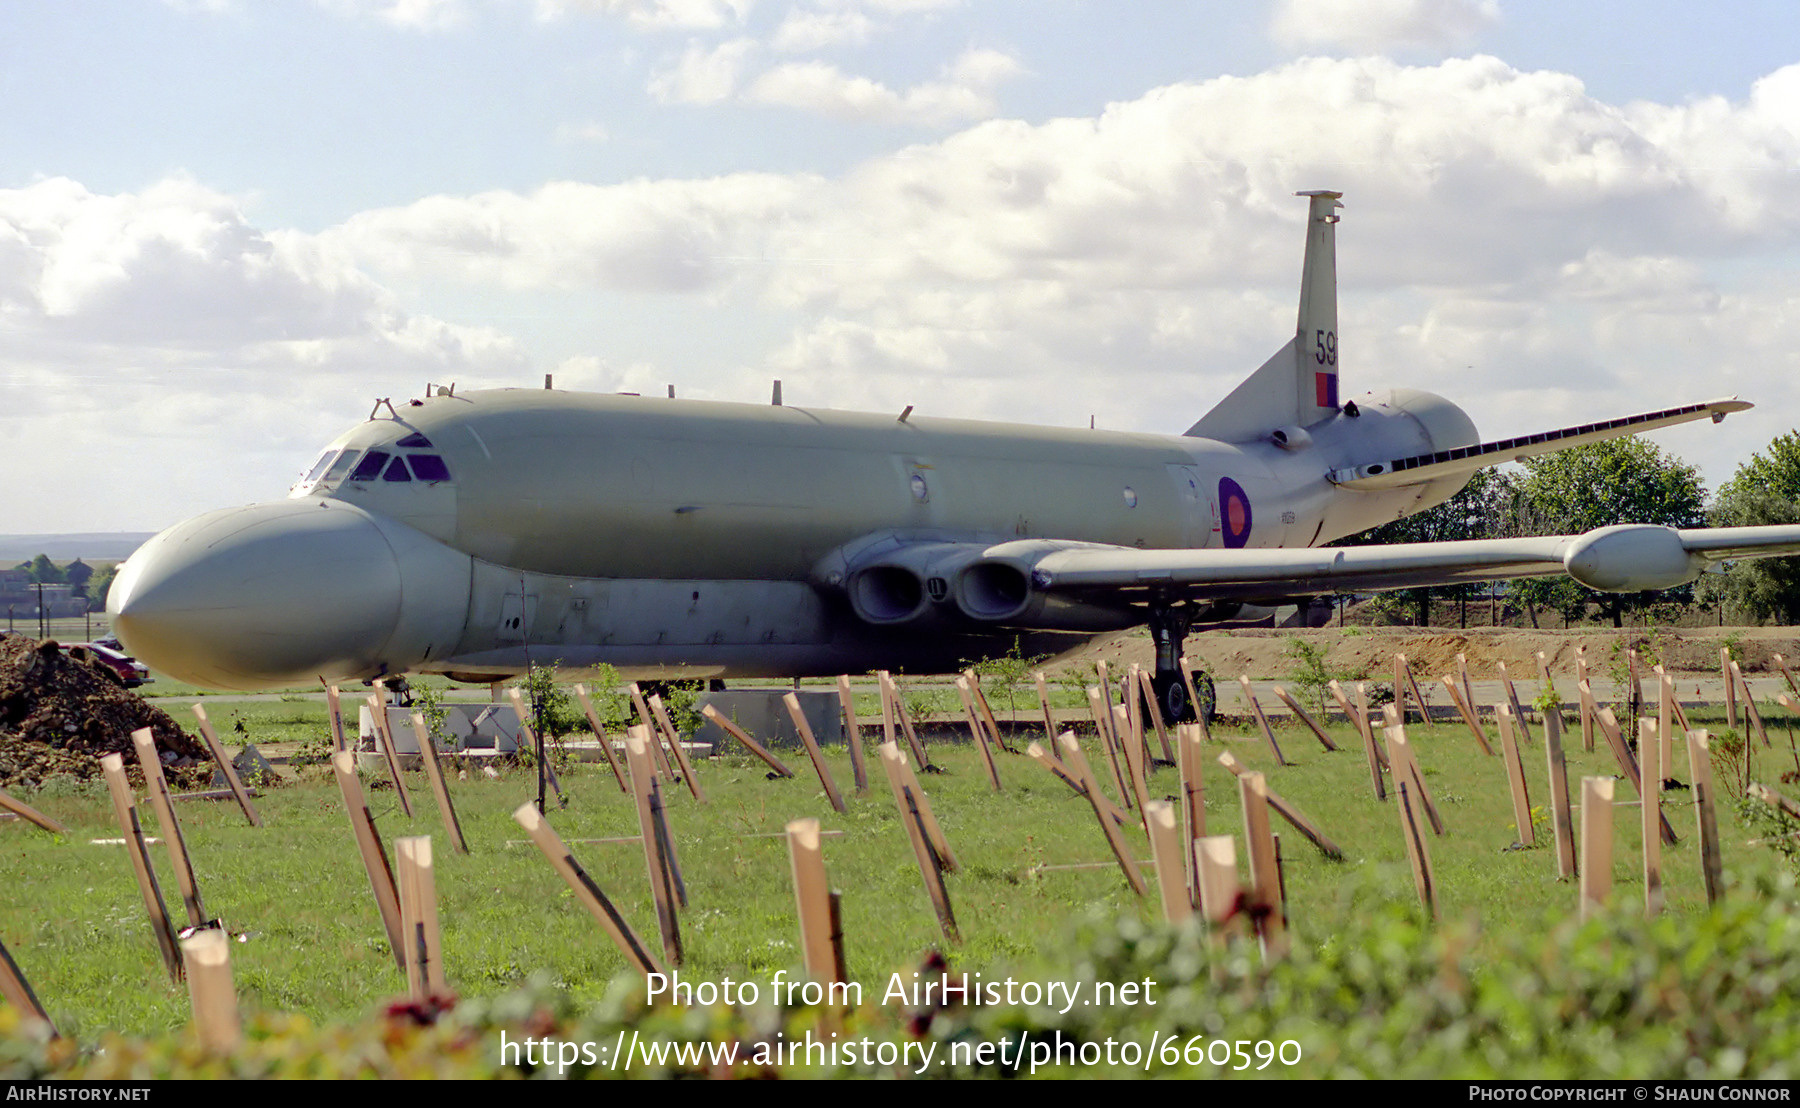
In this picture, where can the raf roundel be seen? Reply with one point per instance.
(1234, 513)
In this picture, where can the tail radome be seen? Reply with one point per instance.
(1297, 387)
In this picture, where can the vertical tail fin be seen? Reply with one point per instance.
(1299, 385)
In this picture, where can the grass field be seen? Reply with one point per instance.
(313, 943)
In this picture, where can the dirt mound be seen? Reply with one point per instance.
(60, 711)
(1432, 651)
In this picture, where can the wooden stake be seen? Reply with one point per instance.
(374, 858)
(145, 744)
(931, 864)
(334, 715)
(1261, 720)
(852, 735)
(1265, 881)
(419, 917)
(586, 890)
(1217, 856)
(1404, 669)
(225, 767)
(17, 992)
(1134, 763)
(1515, 777)
(1171, 868)
(207, 955)
(986, 712)
(126, 811)
(1285, 810)
(1187, 676)
(1609, 729)
(1301, 714)
(1156, 717)
(667, 726)
(1512, 700)
(646, 787)
(1103, 725)
(1072, 753)
(1371, 750)
(1466, 710)
(891, 693)
(1043, 691)
(1587, 699)
(1787, 674)
(605, 744)
(378, 715)
(750, 744)
(642, 708)
(978, 732)
(1650, 811)
(1561, 819)
(1596, 843)
(934, 834)
(1731, 711)
(1418, 849)
(1774, 800)
(434, 774)
(1707, 820)
(1193, 797)
(26, 812)
(812, 899)
(1406, 768)
(1071, 777)
(798, 715)
(1755, 717)
(1462, 676)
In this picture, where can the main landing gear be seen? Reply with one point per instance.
(1168, 628)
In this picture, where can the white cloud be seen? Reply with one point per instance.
(412, 15)
(657, 15)
(966, 92)
(804, 31)
(704, 75)
(1377, 26)
(165, 314)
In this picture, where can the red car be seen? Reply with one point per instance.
(131, 671)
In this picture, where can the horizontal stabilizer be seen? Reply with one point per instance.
(1421, 468)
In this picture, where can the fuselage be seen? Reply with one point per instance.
(479, 533)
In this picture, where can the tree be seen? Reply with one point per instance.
(1624, 480)
(1764, 490)
(1477, 511)
(43, 571)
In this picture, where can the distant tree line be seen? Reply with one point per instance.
(1626, 480)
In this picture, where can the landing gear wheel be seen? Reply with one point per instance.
(1172, 698)
(1178, 706)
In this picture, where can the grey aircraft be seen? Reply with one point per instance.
(476, 534)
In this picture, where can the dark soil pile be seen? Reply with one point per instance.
(61, 711)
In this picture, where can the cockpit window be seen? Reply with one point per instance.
(415, 440)
(397, 471)
(371, 466)
(429, 467)
(318, 468)
(342, 465)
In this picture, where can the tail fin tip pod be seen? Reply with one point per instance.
(1298, 386)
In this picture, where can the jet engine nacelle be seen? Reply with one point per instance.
(908, 583)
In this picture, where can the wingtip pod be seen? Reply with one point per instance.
(1631, 557)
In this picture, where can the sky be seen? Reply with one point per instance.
(228, 227)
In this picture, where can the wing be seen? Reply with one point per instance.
(1044, 584)
(1625, 558)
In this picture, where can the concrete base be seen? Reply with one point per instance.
(761, 713)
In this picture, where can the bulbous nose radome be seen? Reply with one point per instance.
(261, 596)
